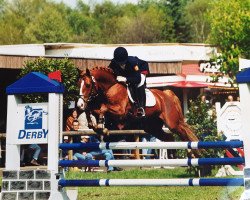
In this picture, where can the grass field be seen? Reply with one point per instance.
(151, 193)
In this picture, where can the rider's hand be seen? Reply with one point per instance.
(121, 79)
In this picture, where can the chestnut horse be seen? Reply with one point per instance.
(101, 92)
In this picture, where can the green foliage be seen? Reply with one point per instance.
(42, 21)
(48, 26)
(45, 66)
(225, 23)
(145, 27)
(2, 5)
(196, 15)
(230, 23)
(181, 27)
(229, 62)
(202, 118)
(230, 31)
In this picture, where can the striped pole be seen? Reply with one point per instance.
(151, 145)
(151, 162)
(153, 182)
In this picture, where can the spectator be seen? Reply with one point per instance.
(65, 153)
(113, 125)
(36, 154)
(104, 154)
(78, 154)
(73, 116)
(230, 98)
(83, 122)
(147, 152)
(75, 125)
(204, 99)
(83, 155)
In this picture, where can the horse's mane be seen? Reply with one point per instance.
(107, 69)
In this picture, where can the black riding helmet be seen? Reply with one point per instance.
(120, 55)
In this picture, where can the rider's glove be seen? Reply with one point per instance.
(121, 79)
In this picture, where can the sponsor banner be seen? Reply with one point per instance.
(32, 123)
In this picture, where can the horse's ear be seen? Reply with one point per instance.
(87, 72)
(80, 72)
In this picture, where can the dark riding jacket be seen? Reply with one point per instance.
(133, 69)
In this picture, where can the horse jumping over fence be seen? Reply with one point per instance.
(100, 92)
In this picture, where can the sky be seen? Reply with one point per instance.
(72, 3)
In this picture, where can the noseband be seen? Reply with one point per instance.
(93, 93)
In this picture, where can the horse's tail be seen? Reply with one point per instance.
(186, 130)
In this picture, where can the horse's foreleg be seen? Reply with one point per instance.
(89, 120)
(100, 124)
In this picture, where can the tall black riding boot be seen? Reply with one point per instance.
(141, 97)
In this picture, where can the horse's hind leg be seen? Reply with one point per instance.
(155, 128)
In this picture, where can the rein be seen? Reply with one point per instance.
(96, 90)
(93, 93)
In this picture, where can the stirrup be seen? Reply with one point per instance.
(140, 112)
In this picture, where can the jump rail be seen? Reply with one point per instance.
(151, 162)
(151, 145)
(153, 182)
(111, 132)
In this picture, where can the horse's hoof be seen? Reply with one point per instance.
(105, 131)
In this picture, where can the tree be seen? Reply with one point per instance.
(147, 26)
(106, 15)
(230, 25)
(164, 17)
(48, 26)
(230, 31)
(84, 27)
(25, 21)
(12, 29)
(2, 6)
(45, 66)
(181, 27)
(196, 15)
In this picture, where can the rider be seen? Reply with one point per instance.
(131, 70)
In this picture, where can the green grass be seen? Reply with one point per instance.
(151, 193)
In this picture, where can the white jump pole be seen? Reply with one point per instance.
(54, 138)
(12, 149)
(243, 78)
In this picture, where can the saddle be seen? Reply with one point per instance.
(150, 98)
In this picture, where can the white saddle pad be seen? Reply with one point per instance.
(150, 98)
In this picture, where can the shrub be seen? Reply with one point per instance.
(202, 118)
(47, 65)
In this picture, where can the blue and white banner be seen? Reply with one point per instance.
(32, 123)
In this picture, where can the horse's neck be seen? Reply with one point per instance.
(105, 80)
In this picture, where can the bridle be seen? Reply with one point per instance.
(93, 92)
